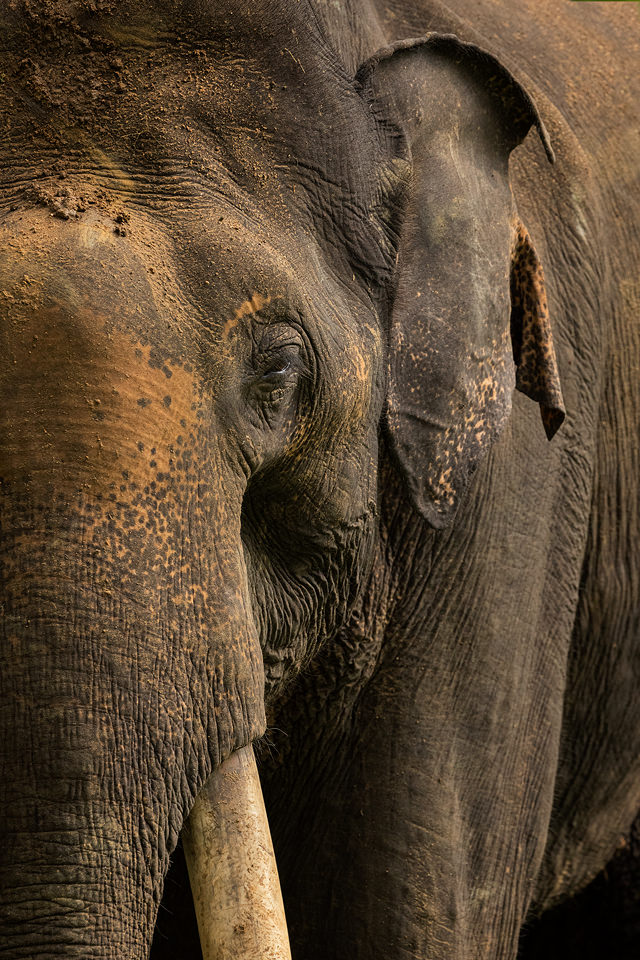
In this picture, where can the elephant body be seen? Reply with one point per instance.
(270, 278)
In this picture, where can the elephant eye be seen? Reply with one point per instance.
(274, 363)
(275, 374)
(277, 360)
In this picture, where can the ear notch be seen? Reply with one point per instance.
(531, 336)
(455, 113)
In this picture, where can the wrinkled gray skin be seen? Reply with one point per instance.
(255, 340)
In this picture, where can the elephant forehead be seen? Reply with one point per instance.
(157, 88)
(154, 123)
(135, 264)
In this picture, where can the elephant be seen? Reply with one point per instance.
(319, 416)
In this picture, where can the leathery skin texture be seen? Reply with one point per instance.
(268, 276)
(114, 639)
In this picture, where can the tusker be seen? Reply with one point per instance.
(318, 439)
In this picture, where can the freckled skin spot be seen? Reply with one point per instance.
(534, 352)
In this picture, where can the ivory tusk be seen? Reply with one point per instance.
(232, 867)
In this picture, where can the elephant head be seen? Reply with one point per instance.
(246, 269)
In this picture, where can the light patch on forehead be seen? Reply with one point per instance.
(246, 309)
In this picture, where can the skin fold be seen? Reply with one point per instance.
(266, 274)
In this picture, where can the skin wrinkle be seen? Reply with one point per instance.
(434, 663)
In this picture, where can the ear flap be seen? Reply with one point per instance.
(455, 113)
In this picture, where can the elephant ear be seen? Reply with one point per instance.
(469, 291)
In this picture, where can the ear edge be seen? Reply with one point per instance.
(437, 515)
(537, 374)
(451, 44)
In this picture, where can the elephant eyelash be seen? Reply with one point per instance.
(274, 381)
(276, 369)
(275, 373)
(281, 357)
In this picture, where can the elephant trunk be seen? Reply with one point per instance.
(110, 910)
(110, 731)
(130, 665)
(232, 867)
(66, 893)
(86, 823)
(93, 794)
